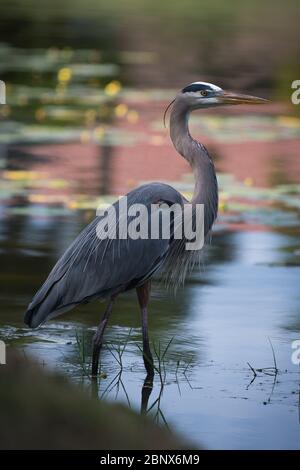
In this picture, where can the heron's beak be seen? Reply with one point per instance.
(228, 97)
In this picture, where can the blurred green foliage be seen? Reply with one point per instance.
(251, 43)
(55, 414)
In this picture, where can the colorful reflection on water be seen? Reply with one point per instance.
(74, 136)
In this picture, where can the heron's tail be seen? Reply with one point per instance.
(46, 304)
(36, 316)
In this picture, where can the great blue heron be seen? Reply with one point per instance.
(94, 268)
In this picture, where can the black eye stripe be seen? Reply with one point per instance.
(196, 87)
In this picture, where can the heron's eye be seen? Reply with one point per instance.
(203, 92)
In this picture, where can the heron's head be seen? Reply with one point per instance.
(206, 95)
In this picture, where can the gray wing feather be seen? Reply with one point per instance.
(95, 268)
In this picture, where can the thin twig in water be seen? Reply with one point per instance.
(80, 342)
(271, 371)
(254, 375)
(117, 353)
(274, 358)
(110, 383)
(187, 366)
(273, 387)
(253, 370)
(176, 376)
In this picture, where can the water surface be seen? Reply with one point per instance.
(247, 292)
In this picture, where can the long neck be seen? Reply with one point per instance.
(206, 186)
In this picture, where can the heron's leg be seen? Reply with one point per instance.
(143, 293)
(97, 340)
(146, 392)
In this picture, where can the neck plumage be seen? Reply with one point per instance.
(206, 186)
